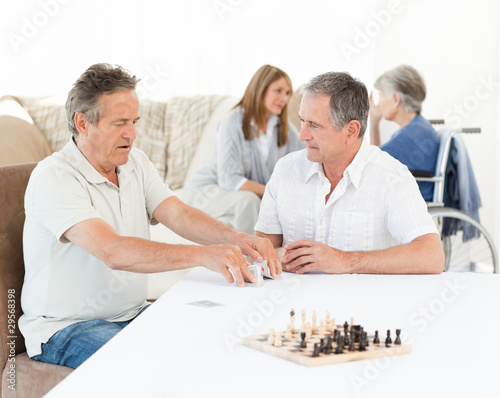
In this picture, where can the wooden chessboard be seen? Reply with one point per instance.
(291, 350)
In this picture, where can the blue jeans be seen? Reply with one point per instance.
(74, 344)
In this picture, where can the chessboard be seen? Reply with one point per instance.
(327, 344)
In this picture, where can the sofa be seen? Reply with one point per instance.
(21, 376)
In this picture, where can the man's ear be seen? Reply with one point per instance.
(81, 123)
(353, 128)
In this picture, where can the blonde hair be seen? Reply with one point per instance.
(253, 102)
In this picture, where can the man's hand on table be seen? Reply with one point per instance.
(305, 255)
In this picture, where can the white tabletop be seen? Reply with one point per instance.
(177, 349)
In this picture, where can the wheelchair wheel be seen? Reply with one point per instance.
(467, 246)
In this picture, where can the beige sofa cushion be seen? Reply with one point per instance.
(21, 142)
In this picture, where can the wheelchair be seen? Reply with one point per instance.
(467, 245)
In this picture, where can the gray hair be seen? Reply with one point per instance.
(86, 93)
(348, 98)
(406, 82)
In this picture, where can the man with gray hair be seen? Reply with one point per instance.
(86, 235)
(341, 205)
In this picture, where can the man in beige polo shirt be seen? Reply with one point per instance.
(86, 238)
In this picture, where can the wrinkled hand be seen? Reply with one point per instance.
(261, 249)
(305, 255)
(375, 113)
(221, 258)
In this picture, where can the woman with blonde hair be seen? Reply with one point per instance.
(401, 93)
(252, 137)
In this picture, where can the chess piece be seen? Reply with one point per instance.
(308, 330)
(316, 350)
(292, 320)
(388, 340)
(398, 338)
(365, 338)
(328, 345)
(352, 321)
(303, 316)
(346, 340)
(352, 346)
(340, 346)
(277, 340)
(362, 345)
(314, 325)
(303, 343)
(270, 339)
(376, 339)
(289, 333)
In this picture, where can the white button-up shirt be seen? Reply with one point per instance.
(376, 205)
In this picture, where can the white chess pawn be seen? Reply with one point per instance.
(271, 338)
(308, 330)
(289, 334)
(328, 321)
(303, 315)
(292, 320)
(277, 340)
(322, 328)
(314, 321)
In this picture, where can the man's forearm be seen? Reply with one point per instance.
(424, 255)
(207, 230)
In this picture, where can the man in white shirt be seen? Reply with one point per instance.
(86, 235)
(341, 205)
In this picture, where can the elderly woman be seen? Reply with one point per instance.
(401, 93)
(252, 138)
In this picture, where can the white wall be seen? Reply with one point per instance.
(214, 46)
(455, 45)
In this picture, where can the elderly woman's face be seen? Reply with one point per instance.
(387, 105)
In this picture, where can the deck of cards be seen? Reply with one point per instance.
(259, 270)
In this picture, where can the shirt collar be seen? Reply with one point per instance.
(355, 169)
(352, 173)
(80, 162)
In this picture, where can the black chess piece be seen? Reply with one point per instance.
(328, 345)
(365, 339)
(376, 339)
(321, 344)
(316, 350)
(398, 338)
(303, 343)
(361, 330)
(346, 327)
(388, 340)
(346, 340)
(352, 346)
(340, 346)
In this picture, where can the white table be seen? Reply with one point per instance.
(176, 349)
